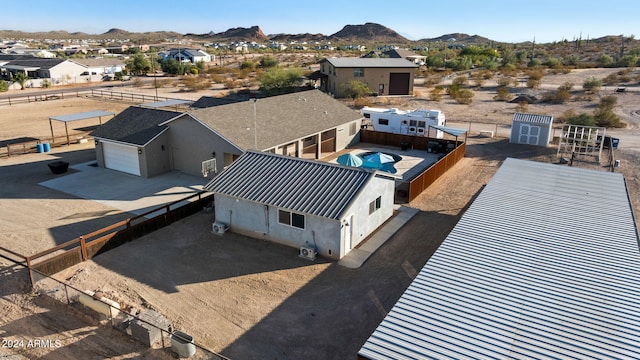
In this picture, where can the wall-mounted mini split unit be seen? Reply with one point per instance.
(308, 253)
(219, 228)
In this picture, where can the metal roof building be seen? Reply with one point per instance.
(543, 265)
(301, 203)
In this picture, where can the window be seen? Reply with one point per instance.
(383, 121)
(375, 205)
(291, 219)
(352, 129)
(358, 72)
(367, 115)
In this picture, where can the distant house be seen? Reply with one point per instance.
(531, 129)
(186, 55)
(307, 204)
(384, 76)
(396, 53)
(307, 124)
(101, 66)
(56, 70)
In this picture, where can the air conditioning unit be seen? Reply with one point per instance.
(219, 228)
(412, 129)
(420, 131)
(308, 253)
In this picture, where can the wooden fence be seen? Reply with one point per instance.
(87, 246)
(456, 151)
(70, 93)
(419, 183)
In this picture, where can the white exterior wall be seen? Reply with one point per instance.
(363, 222)
(261, 221)
(400, 121)
(67, 69)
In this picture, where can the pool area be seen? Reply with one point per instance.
(379, 160)
(402, 164)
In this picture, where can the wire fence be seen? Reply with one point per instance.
(159, 334)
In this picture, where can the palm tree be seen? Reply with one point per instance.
(21, 78)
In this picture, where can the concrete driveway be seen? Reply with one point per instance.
(126, 192)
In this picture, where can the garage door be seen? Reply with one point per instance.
(399, 83)
(121, 157)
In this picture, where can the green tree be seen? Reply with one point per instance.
(628, 60)
(138, 64)
(277, 80)
(21, 78)
(4, 86)
(175, 67)
(580, 119)
(355, 89)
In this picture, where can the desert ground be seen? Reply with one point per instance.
(238, 296)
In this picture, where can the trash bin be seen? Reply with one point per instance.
(615, 142)
(40, 148)
(182, 344)
(59, 167)
(404, 146)
(46, 147)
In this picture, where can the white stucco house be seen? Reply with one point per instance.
(306, 204)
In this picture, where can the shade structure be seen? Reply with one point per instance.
(349, 160)
(379, 158)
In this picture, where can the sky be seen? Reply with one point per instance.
(500, 20)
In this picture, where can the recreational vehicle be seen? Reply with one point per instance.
(413, 122)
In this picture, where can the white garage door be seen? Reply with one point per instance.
(121, 157)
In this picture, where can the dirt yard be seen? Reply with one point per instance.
(238, 296)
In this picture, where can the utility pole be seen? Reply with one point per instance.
(255, 124)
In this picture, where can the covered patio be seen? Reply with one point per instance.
(66, 119)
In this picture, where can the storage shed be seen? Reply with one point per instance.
(531, 129)
(533, 270)
(302, 203)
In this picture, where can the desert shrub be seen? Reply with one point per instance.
(195, 83)
(248, 65)
(592, 85)
(533, 83)
(611, 79)
(355, 89)
(436, 93)
(535, 74)
(164, 82)
(46, 83)
(580, 119)
(604, 115)
(361, 102)
(505, 81)
(432, 80)
(460, 80)
(464, 96)
(137, 82)
(268, 61)
(503, 94)
(4, 86)
(522, 107)
(605, 60)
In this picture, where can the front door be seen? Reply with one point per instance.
(348, 231)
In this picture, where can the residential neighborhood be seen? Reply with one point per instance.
(237, 195)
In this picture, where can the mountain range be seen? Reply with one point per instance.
(365, 33)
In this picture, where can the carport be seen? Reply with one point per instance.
(75, 117)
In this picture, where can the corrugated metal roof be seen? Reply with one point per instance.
(299, 185)
(544, 264)
(82, 115)
(371, 62)
(533, 118)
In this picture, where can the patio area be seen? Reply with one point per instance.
(413, 161)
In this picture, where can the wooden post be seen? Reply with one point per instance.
(51, 126)
(33, 285)
(66, 129)
(83, 248)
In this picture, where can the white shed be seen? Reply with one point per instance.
(305, 204)
(531, 129)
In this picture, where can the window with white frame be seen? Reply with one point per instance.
(290, 218)
(358, 72)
